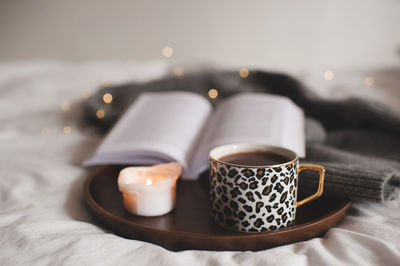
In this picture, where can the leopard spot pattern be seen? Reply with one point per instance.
(253, 199)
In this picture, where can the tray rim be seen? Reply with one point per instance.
(97, 208)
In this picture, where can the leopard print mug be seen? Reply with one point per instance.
(248, 198)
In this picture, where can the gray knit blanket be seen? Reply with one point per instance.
(358, 142)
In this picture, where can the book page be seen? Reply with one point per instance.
(252, 118)
(158, 127)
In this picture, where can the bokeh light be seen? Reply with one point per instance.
(67, 130)
(107, 98)
(167, 51)
(100, 114)
(328, 75)
(213, 93)
(244, 72)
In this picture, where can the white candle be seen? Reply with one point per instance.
(149, 191)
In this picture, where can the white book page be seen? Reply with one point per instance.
(158, 127)
(252, 118)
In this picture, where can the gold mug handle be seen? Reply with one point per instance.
(321, 170)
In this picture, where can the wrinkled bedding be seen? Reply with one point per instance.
(43, 217)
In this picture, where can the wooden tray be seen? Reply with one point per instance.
(188, 226)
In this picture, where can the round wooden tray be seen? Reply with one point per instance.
(188, 226)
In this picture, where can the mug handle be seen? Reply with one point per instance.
(321, 170)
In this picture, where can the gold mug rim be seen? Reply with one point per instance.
(262, 148)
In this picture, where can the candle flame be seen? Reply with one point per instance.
(148, 181)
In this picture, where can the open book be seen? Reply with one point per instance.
(182, 126)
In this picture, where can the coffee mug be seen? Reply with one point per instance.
(255, 198)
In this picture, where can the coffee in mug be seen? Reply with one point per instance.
(253, 187)
(255, 158)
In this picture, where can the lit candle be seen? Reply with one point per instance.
(149, 191)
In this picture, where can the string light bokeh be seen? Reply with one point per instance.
(67, 130)
(100, 114)
(167, 51)
(107, 98)
(369, 81)
(244, 72)
(328, 75)
(213, 93)
(178, 71)
(65, 106)
(45, 131)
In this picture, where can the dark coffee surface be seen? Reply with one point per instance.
(258, 158)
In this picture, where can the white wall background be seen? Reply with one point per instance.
(296, 34)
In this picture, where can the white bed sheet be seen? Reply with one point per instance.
(43, 218)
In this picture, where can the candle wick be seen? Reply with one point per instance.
(148, 181)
